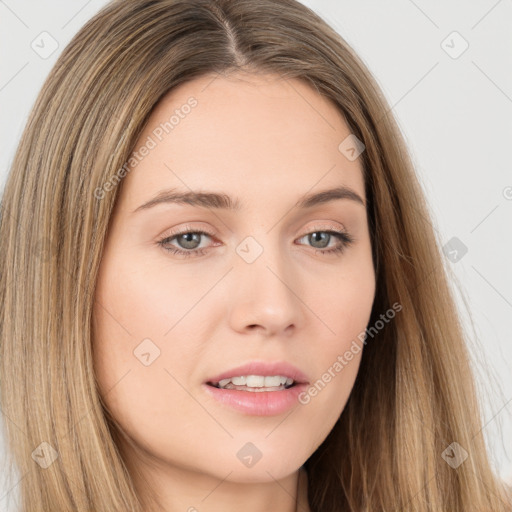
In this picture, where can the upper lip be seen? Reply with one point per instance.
(262, 368)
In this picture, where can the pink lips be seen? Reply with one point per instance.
(259, 403)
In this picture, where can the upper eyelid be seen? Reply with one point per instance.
(197, 229)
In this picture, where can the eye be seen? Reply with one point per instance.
(322, 237)
(189, 241)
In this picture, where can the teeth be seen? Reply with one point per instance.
(223, 382)
(257, 381)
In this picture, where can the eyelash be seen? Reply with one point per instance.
(345, 241)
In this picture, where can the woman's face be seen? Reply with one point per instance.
(264, 285)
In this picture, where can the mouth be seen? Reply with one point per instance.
(255, 383)
(259, 376)
(258, 388)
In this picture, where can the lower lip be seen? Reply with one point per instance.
(258, 403)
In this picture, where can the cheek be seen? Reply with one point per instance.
(140, 299)
(140, 326)
(342, 304)
(344, 308)
(133, 311)
(139, 379)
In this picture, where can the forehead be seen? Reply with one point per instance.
(242, 134)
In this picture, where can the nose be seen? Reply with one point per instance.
(266, 298)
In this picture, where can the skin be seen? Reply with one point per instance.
(267, 142)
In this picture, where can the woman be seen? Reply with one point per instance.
(173, 338)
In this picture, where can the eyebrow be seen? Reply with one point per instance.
(222, 201)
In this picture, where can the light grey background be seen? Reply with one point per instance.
(453, 106)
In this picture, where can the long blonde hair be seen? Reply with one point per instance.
(415, 392)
